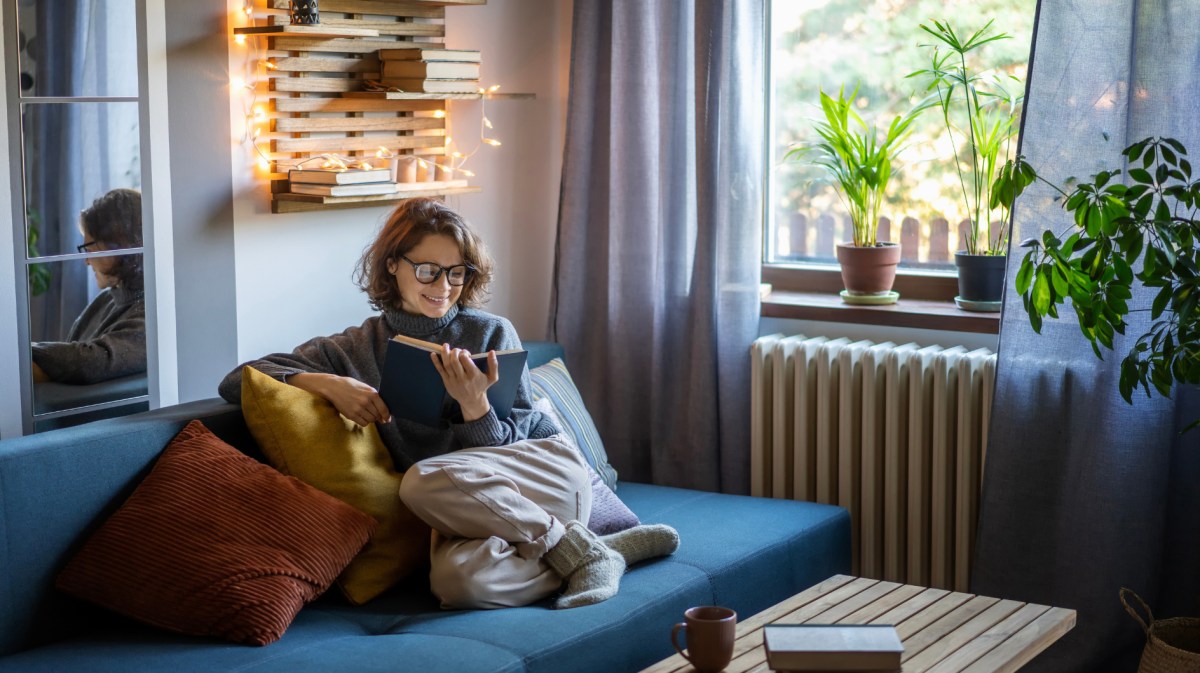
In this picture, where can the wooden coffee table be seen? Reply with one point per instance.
(942, 631)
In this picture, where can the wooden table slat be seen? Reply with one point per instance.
(869, 613)
(940, 608)
(845, 608)
(1025, 644)
(987, 641)
(912, 606)
(955, 631)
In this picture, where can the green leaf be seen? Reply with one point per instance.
(1041, 291)
(1025, 273)
(1160, 302)
(1141, 175)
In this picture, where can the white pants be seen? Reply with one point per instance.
(494, 512)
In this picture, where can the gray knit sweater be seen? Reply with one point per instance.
(358, 352)
(108, 340)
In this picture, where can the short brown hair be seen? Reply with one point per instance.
(115, 219)
(412, 221)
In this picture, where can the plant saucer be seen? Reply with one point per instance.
(978, 306)
(870, 298)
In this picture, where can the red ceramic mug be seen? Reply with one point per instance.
(709, 631)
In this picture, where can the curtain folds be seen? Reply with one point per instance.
(659, 241)
(1084, 494)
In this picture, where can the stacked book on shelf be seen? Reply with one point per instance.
(344, 182)
(833, 647)
(430, 70)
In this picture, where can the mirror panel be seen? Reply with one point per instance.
(73, 154)
(88, 328)
(77, 48)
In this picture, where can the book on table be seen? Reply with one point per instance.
(419, 85)
(364, 189)
(832, 647)
(349, 176)
(429, 54)
(412, 388)
(431, 69)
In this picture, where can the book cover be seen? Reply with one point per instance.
(431, 69)
(412, 388)
(428, 54)
(364, 189)
(832, 647)
(417, 85)
(352, 176)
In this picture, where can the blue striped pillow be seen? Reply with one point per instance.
(552, 381)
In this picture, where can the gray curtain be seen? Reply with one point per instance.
(660, 221)
(1084, 494)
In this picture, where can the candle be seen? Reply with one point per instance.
(404, 168)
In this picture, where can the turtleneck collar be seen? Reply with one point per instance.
(123, 295)
(418, 325)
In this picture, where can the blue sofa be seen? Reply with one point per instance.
(56, 487)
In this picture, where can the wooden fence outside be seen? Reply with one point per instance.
(807, 239)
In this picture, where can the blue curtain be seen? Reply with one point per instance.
(659, 240)
(1082, 493)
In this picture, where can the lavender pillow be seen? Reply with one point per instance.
(609, 514)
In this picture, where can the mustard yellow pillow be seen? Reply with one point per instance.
(303, 436)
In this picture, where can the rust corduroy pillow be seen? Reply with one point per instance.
(214, 543)
(304, 436)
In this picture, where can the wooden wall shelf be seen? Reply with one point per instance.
(295, 203)
(318, 102)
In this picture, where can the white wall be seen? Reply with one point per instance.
(294, 270)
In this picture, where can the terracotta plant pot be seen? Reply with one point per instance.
(980, 277)
(868, 270)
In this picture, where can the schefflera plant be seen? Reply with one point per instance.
(1151, 220)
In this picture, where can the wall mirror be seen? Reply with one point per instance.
(81, 261)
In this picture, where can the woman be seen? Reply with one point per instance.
(507, 499)
(107, 340)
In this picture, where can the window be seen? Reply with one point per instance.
(828, 44)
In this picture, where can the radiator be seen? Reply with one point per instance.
(896, 434)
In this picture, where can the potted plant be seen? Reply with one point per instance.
(860, 163)
(1153, 219)
(986, 114)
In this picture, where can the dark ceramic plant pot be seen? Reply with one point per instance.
(868, 270)
(980, 277)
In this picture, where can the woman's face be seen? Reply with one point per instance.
(434, 299)
(101, 266)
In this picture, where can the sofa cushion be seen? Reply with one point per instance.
(552, 381)
(215, 543)
(302, 435)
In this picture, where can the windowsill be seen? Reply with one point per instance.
(926, 301)
(920, 313)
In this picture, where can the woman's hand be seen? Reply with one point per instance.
(352, 398)
(464, 382)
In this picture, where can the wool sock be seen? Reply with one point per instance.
(592, 570)
(643, 542)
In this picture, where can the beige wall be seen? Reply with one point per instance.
(294, 270)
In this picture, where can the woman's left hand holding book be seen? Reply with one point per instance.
(465, 382)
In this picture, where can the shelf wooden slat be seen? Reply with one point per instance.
(399, 28)
(315, 84)
(404, 95)
(355, 124)
(341, 104)
(425, 10)
(368, 64)
(356, 144)
(343, 46)
(320, 32)
(290, 203)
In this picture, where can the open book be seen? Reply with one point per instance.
(412, 388)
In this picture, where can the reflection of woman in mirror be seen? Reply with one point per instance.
(108, 340)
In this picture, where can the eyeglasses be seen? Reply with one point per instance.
(84, 247)
(428, 272)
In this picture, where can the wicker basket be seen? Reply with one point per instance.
(1172, 645)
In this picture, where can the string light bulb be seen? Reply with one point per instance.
(239, 40)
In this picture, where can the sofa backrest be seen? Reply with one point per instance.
(57, 487)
